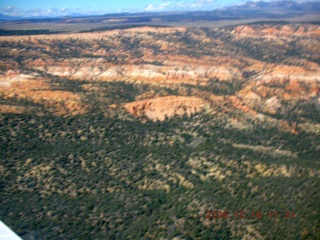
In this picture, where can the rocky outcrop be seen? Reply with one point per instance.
(272, 105)
(141, 72)
(249, 97)
(165, 107)
(287, 31)
(286, 72)
(16, 86)
(260, 68)
(156, 55)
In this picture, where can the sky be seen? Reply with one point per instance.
(50, 8)
(53, 8)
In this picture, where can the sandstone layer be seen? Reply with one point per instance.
(165, 107)
(26, 89)
(257, 68)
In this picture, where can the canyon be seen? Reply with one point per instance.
(136, 133)
(162, 57)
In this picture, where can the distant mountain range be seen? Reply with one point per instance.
(248, 10)
(8, 18)
(281, 5)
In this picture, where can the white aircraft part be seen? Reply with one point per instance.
(7, 234)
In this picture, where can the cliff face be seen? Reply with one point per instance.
(165, 107)
(280, 31)
(252, 68)
(92, 70)
(161, 55)
(31, 88)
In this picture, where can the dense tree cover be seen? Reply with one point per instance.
(107, 175)
(5, 32)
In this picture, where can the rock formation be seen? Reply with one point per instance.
(261, 67)
(165, 107)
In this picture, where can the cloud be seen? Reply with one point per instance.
(9, 9)
(202, 4)
(177, 5)
(39, 12)
(171, 5)
(152, 7)
(204, 1)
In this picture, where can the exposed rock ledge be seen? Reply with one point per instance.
(162, 107)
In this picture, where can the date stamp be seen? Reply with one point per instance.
(241, 214)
